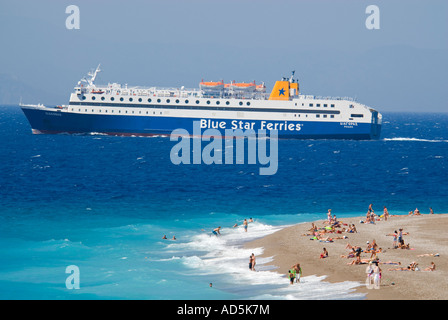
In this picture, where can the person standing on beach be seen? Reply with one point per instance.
(386, 213)
(298, 270)
(395, 239)
(431, 211)
(292, 275)
(245, 225)
(376, 275)
(369, 274)
(252, 262)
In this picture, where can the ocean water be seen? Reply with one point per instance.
(103, 203)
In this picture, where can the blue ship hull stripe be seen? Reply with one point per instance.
(58, 122)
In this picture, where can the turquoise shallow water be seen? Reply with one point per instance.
(103, 204)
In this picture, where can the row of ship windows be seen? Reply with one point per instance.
(159, 100)
(325, 105)
(147, 112)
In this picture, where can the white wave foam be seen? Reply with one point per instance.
(225, 260)
(413, 139)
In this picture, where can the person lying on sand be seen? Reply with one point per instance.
(429, 255)
(358, 260)
(400, 269)
(391, 262)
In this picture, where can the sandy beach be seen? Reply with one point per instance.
(427, 235)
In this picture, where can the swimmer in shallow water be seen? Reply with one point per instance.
(216, 231)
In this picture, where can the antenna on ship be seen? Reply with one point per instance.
(292, 75)
(93, 75)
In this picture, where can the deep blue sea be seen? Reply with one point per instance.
(103, 203)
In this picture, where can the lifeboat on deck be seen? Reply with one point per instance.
(243, 86)
(211, 86)
(260, 88)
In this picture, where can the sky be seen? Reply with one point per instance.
(401, 66)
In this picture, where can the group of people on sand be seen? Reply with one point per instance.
(398, 240)
(325, 234)
(413, 266)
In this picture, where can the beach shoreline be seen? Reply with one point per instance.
(425, 234)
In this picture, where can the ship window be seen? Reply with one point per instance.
(311, 104)
(167, 100)
(325, 115)
(139, 99)
(357, 115)
(149, 100)
(126, 111)
(332, 105)
(112, 111)
(217, 102)
(132, 111)
(227, 102)
(332, 116)
(146, 112)
(325, 105)
(112, 98)
(177, 100)
(130, 99)
(208, 101)
(139, 112)
(105, 111)
(158, 100)
(121, 99)
(86, 110)
(317, 115)
(197, 101)
(119, 111)
(186, 101)
(92, 110)
(102, 98)
(248, 103)
(83, 97)
(241, 103)
(318, 105)
(93, 98)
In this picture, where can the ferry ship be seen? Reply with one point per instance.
(114, 109)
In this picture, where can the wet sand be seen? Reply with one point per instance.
(428, 234)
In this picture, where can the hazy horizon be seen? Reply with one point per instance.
(399, 67)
